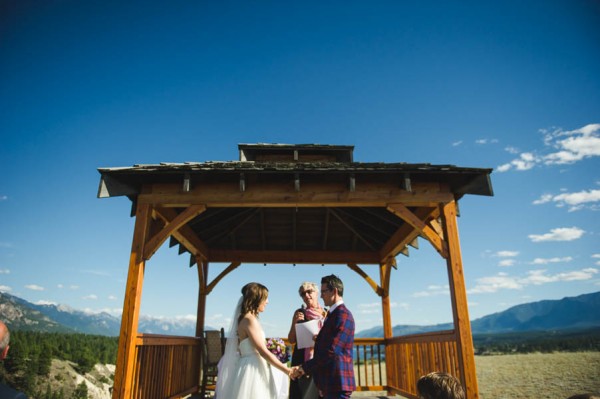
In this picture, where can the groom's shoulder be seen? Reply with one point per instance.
(346, 313)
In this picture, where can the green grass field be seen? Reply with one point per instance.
(532, 376)
(538, 375)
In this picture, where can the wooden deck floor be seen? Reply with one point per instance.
(375, 395)
(363, 395)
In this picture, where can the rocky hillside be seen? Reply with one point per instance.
(64, 377)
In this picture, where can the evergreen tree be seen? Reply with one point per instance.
(45, 361)
(81, 392)
(48, 394)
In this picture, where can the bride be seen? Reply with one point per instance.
(248, 369)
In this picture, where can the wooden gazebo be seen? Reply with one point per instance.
(301, 204)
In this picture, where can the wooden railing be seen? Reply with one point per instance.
(369, 364)
(170, 367)
(166, 366)
(410, 357)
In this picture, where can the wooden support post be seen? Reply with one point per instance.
(385, 271)
(458, 295)
(202, 293)
(131, 306)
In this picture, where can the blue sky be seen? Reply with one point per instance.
(510, 85)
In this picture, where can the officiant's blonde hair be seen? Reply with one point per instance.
(253, 295)
(308, 285)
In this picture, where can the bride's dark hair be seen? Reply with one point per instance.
(253, 295)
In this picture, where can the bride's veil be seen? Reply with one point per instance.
(229, 360)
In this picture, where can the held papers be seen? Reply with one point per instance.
(305, 333)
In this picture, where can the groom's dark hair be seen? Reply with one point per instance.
(332, 282)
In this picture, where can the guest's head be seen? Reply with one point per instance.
(255, 298)
(309, 292)
(440, 386)
(332, 289)
(4, 340)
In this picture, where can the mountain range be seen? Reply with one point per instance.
(19, 314)
(578, 312)
(569, 313)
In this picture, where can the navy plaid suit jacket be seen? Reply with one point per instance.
(332, 366)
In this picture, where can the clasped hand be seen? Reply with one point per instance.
(296, 372)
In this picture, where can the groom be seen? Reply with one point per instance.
(332, 366)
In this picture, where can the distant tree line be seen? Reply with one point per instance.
(543, 341)
(31, 354)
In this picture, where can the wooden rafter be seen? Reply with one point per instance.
(184, 234)
(426, 231)
(380, 217)
(245, 220)
(362, 221)
(170, 227)
(213, 214)
(414, 243)
(437, 227)
(399, 240)
(233, 218)
(353, 230)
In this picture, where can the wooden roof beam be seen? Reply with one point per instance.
(425, 230)
(229, 269)
(298, 257)
(378, 290)
(171, 226)
(406, 234)
(184, 234)
(312, 195)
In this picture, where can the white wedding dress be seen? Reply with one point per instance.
(247, 375)
(256, 378)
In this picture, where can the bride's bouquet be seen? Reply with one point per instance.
(277, 347)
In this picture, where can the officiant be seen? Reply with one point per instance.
(304, 387)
